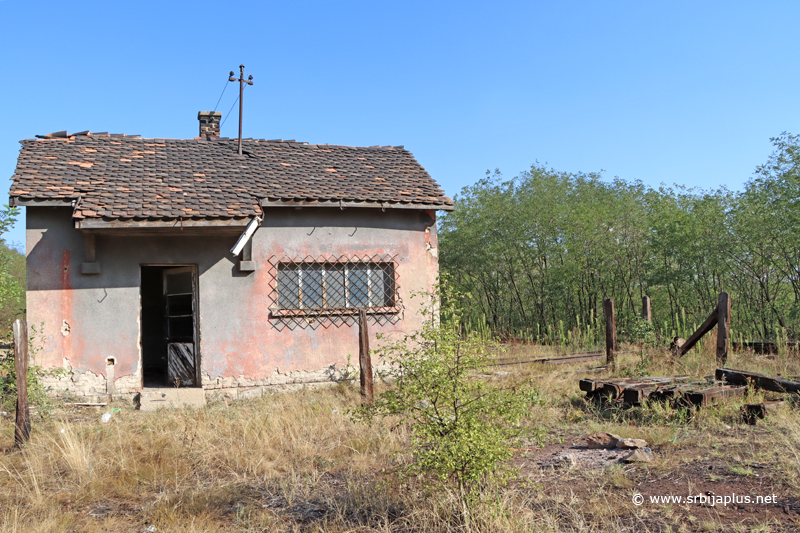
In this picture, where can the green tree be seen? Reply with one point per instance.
(541, 251)
(12, 274)
(766, 224)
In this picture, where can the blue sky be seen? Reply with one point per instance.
(662, 92)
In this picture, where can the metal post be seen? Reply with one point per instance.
(241, 104)
(241, 81)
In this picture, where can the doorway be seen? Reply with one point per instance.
(169, 326)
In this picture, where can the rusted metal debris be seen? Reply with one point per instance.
(615, 386)
(679, 391)
(752, 412)
(673, 394)
(697, 394)
(712, 395)
(675, 390)
(637, 395)
(759, 381)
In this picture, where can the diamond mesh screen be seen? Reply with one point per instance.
(312, 292)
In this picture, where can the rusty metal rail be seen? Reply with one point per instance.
(593, 356)
(759, 381)
(712, 395)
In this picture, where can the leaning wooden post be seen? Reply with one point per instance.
(704, 328)
(611, 331)
(22, 431)
(723, 328)
(364, 359)
(647, 313)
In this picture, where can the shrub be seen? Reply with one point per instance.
(37, 394)
(462, 427)
(642, 334)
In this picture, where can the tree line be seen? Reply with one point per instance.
(12, 276)
(539, 253)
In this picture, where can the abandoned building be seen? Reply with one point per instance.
(163, 262)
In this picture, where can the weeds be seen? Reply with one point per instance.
(293, 462)
(37, 394)
(461, 426)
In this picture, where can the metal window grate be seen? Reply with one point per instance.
(325, 291)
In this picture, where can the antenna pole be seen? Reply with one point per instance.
(241, 81)
(241, 104)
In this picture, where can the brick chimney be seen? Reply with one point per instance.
(209, 124)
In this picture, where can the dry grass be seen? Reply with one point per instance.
(176, 465)
(295, 462)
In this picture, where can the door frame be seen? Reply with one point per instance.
(196, 321)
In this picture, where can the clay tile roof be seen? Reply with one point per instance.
(120, 176)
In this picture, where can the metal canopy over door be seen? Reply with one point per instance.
(180, 330)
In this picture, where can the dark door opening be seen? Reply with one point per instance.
(169, 326)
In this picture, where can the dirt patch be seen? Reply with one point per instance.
(579, 457)
(670, 494)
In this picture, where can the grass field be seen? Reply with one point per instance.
(295, 462)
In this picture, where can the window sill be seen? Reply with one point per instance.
(279, 313)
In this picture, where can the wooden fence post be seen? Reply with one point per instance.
(611, 331)
(364, 359)
(723, 327)
(647, 313)
(22, 430)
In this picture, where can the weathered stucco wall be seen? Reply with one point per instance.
(88, 318)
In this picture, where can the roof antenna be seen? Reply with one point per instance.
(242, 81)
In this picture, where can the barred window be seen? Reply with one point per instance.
(327, 286)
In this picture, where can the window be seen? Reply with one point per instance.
(328, 286)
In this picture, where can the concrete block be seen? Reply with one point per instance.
(154, 398)
(247, 266)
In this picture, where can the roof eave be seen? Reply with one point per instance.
(17, 201)
(237, 223)
(342, 204)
